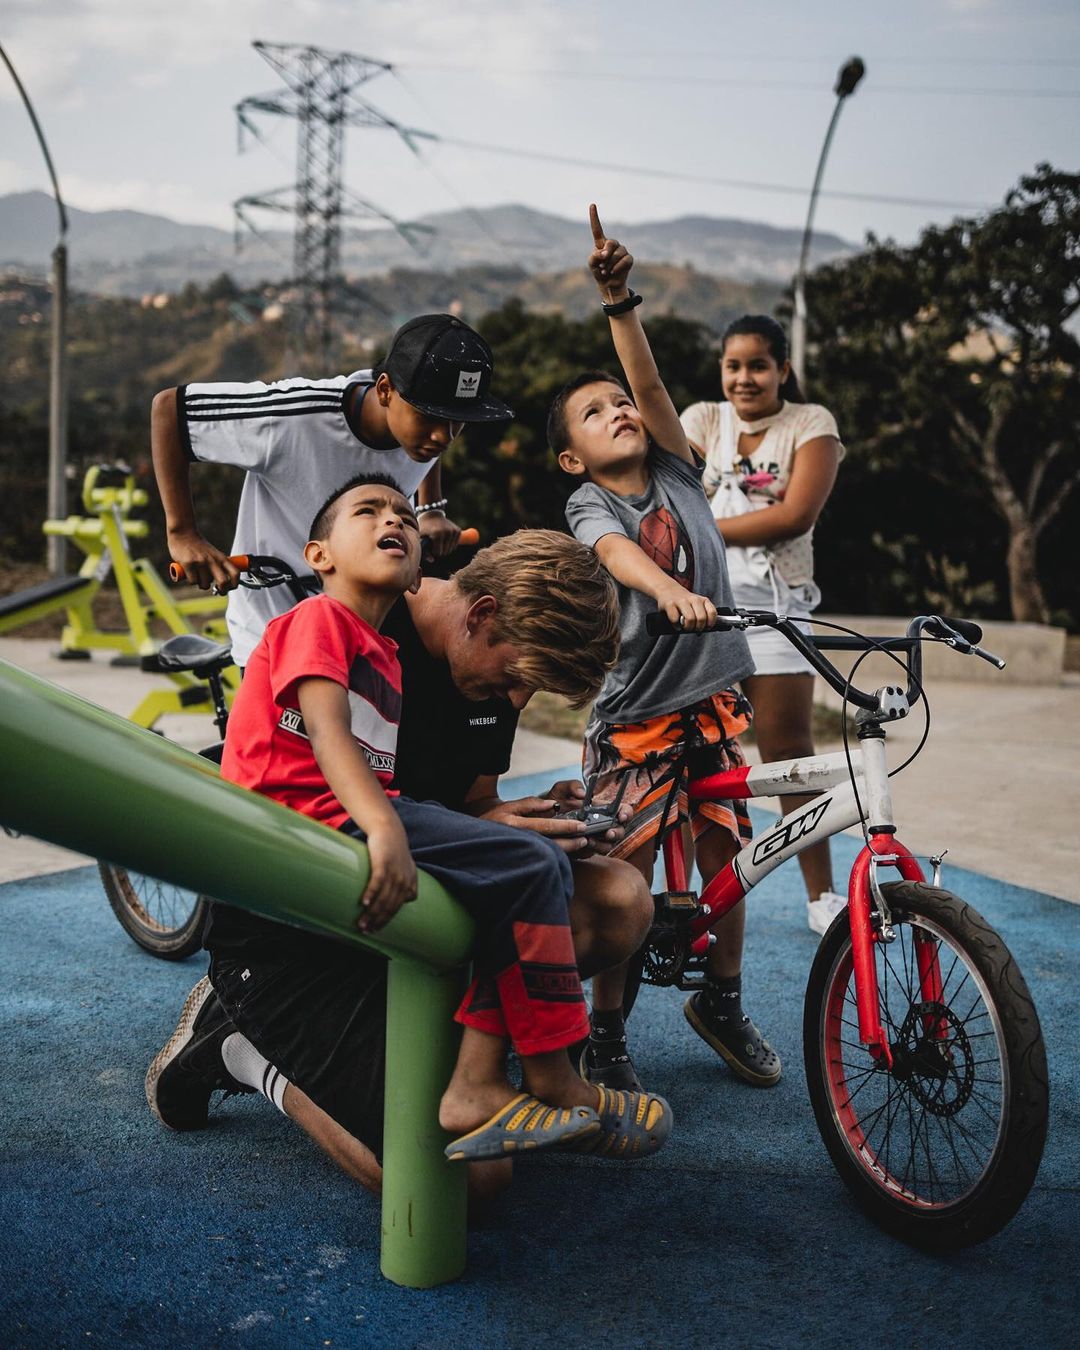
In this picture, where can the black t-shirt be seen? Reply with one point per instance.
(445, 741)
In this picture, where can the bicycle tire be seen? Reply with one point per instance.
(969, 1082)
(164, 920)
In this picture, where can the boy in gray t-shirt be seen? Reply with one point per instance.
(643, 509)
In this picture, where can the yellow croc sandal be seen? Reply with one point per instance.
(632, 1125)
(524, 1123)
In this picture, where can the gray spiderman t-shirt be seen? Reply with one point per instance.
(672, 523)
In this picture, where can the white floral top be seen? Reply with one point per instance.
(765, 475)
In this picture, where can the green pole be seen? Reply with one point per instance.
(423, 1200)
(76, 775)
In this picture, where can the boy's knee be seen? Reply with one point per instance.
(613, 900)
(624, 892)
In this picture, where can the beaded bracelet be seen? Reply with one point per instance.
(439, 505)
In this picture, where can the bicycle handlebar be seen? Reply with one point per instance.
(257, 562)
(960, 634)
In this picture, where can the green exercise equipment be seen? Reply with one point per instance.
(81, 777)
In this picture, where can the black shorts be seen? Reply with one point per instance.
(316, 1009)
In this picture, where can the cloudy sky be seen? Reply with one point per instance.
(652, 109)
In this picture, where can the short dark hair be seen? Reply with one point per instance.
(327, 513)
(558, 429)
(774, 337)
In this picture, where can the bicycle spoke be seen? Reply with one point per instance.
(942, 1155)
(867, 1078)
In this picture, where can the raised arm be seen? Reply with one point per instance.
(610, 264)
(206, 565)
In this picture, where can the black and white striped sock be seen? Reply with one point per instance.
(247, 1066)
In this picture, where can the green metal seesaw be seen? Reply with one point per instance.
(78, 776)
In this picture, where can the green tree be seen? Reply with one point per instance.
(955, 373)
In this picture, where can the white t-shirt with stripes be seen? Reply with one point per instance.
(294, 443)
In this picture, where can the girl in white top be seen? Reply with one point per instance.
(771, 462)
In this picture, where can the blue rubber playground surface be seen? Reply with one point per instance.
(739, 1233)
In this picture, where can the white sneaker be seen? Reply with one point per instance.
(821, 912)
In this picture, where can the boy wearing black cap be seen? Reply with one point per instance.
(299, 439)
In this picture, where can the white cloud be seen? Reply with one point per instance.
(165, 35)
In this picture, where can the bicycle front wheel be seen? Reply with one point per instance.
(165, 920)
(942, 1148)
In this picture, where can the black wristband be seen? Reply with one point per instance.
(623, 306)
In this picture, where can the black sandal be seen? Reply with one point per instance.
(737, 1040)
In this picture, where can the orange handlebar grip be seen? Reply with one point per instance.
(177, 573)
(469, 536)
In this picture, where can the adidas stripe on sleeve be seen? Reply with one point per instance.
(243, 424)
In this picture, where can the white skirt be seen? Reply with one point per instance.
(773, 654)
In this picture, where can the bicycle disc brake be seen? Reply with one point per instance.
(933, 1055)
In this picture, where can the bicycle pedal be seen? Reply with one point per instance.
(682, 903)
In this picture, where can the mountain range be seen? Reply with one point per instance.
(132, 253)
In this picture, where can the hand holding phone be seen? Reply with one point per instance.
(597, 820)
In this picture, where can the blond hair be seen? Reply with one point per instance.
(557, 605)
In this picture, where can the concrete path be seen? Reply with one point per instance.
(998, 783)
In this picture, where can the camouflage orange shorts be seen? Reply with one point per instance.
(645, 756)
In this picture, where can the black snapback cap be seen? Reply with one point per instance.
(443, 368)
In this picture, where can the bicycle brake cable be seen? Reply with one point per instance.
(849, 684)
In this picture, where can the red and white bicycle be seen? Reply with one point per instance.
(924, 1056)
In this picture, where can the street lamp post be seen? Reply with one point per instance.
(58, 429)
(851, 72)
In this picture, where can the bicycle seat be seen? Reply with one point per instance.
(189, 651)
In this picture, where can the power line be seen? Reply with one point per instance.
(725, 58)
(773, 58)
(446, 183)
(681, 77)
(674, 174)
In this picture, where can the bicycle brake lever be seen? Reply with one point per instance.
(960, 644)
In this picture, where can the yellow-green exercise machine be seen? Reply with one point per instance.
(103, 534)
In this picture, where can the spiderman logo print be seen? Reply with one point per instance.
(663, 539)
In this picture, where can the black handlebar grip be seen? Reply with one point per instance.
(657, 624)
(971, 632)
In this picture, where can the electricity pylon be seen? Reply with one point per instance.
(321, 94)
